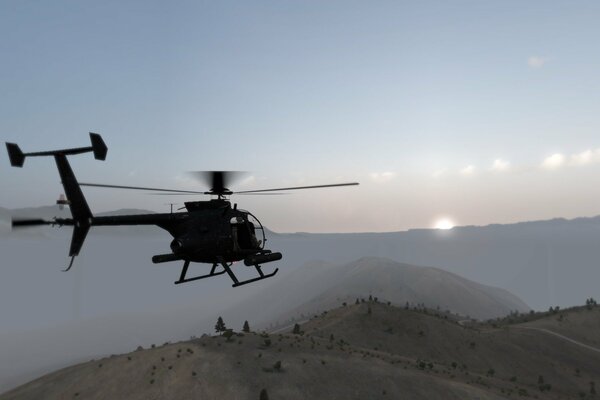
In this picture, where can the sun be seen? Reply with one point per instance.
(444, 223)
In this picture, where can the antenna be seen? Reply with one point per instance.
(171, 204)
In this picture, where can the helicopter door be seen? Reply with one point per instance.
(243, 233)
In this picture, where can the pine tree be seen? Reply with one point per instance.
(296, 330)
(246, 327)
(264, 395)
(220, 326)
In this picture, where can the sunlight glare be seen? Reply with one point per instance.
(444, 223)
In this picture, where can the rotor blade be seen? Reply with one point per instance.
(186, 194)
(262, 194)
(100, 185)
(24, 223)
(299, 187)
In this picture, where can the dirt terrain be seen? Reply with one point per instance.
(369, 350)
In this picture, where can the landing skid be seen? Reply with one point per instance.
(186, 264)
(226, 269)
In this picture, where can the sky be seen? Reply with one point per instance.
(475, 112)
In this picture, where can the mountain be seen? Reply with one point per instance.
(365, 351)
(319, 286)
(545, 263)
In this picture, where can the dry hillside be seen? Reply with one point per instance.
(360, 351)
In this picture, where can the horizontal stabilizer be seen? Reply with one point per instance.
(16, 156)
(98, 146)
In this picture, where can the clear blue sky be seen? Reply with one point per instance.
(416, 100)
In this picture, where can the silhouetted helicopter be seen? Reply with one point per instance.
(210, 232)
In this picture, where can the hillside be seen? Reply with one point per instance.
(319, 286)
(306, 291)
(347, 353)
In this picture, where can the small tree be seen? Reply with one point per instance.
(228, 334)
(357, 302)
(590, 303)
(220, 326)
(246, 327)
(296, 330)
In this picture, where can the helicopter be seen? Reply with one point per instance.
(211, 231)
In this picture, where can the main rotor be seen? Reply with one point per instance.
(219, 182)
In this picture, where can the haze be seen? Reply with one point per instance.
(477, 112)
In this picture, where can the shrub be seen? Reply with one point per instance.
(228, 334)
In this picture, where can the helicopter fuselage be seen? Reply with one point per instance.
(208, 232)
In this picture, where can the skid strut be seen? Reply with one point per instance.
(226, 268)
(186, 264)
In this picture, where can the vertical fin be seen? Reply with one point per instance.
(79, 207)
(79, 234)
(77, 204)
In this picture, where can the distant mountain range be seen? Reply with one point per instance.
(545, 263)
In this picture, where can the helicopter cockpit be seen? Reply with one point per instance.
(247, 232)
